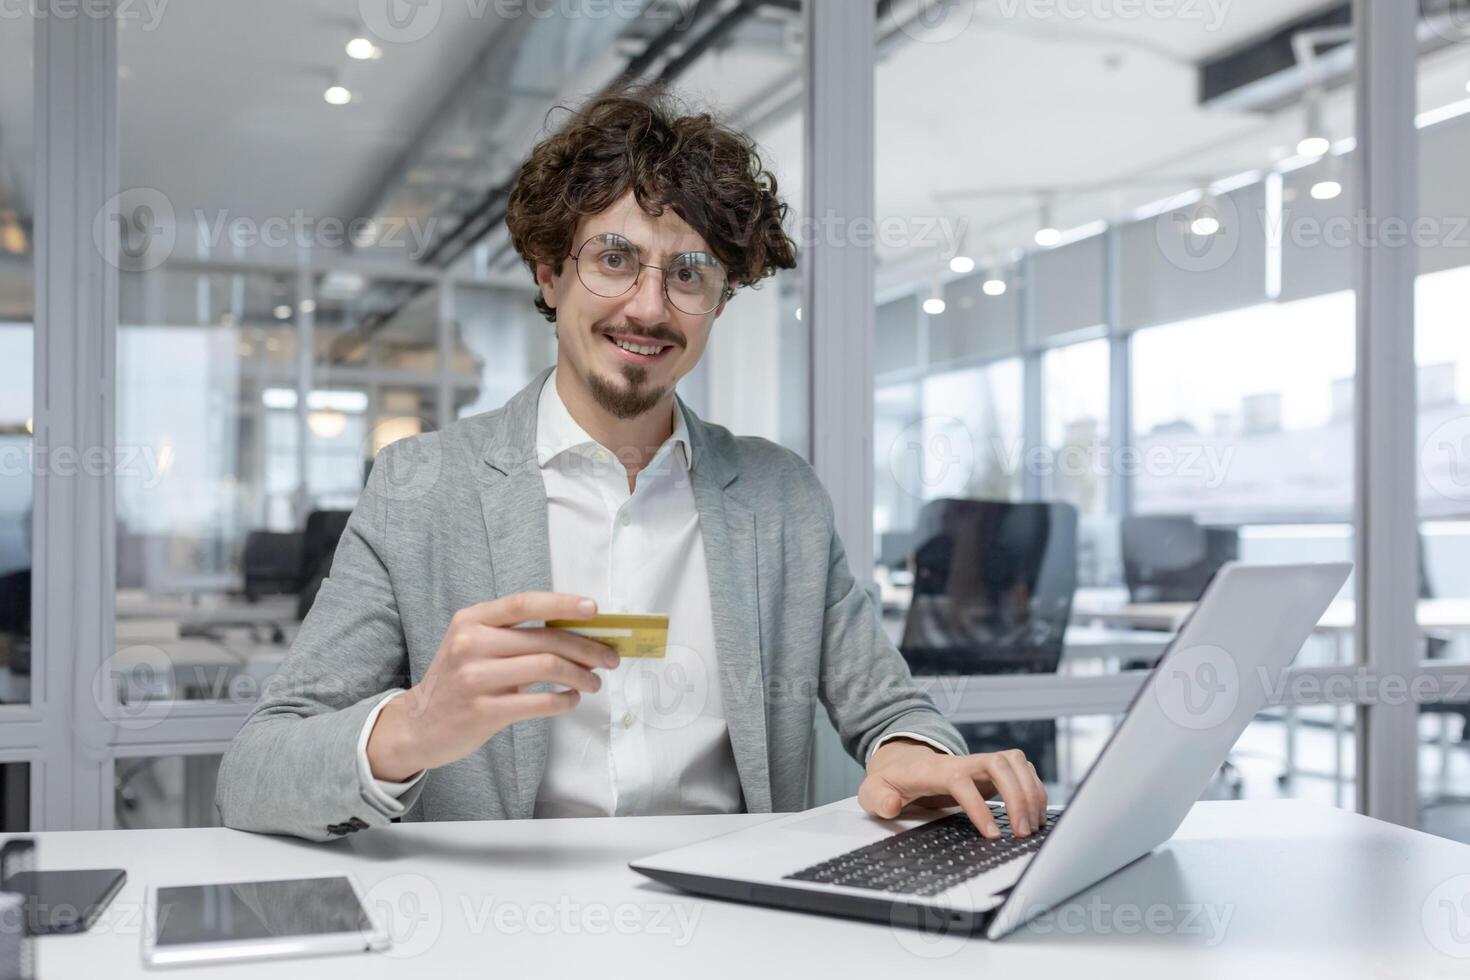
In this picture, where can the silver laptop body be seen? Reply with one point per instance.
(1208, 685)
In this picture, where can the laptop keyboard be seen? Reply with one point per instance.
(927, 859)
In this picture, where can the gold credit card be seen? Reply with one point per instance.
(629, 635)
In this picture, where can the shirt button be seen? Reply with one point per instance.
(628, 719)
(623, 518)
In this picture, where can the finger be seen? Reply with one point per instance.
(1040, 795)
(881, 798)
(539, 704)
(966, 795)
(1030, 785)
(514, 673)
(538, 639)
(523, 607)
(999, 770)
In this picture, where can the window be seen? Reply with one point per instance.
(1075, 410)
(17, 357)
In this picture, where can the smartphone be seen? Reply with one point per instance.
(58, 902)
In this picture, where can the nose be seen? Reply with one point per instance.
(645, 303)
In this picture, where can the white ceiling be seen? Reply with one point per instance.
(221, 109)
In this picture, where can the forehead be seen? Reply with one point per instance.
(666, 234)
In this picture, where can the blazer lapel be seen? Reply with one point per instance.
(731, 559)
(513, 500)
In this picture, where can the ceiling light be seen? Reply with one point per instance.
(798, 313)
(327, 424)
(337, 95)
(283, 312)
(308, 306)
(1326, 190)
(993, 286)
(933, 306)
(1204, 225)
(1047, 235)
(961, 264)
(281, 398)
(1313, 146)
(363, 50)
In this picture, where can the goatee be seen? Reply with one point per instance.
(626, 402)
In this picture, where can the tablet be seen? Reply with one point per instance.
(249, 920)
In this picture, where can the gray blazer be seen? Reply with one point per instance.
(452, 518)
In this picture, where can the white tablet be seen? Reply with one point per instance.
(248, 920)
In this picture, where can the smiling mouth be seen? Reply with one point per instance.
(638, 349)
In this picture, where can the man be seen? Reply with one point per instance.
(414, 687)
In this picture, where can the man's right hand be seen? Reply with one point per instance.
(476, 684)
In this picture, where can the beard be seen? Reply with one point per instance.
(625, 401)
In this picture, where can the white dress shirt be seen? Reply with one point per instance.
(653, 739)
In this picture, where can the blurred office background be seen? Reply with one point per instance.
(1115, 335)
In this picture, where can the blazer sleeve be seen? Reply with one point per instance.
(865, 685)
(292, 768)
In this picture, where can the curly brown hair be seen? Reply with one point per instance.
(637, 138)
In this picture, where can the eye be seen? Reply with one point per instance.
(694, 268)
(616, 260)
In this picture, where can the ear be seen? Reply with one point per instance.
(719, 309)
(546, 278)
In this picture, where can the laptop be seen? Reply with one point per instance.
(934, 870)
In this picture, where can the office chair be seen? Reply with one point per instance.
(15, 618)
(323, 530)
(1169, 558)
(993, 586)
(271, 563)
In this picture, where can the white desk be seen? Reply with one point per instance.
(1295, 889)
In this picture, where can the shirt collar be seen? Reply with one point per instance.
(557, 432)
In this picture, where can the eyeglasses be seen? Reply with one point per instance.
(694, 282)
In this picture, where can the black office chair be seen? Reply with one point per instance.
(323, 530)
(15, 618)
(993, 586)
(1170, 558)
(271, 563)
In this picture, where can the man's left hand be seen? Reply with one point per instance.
(903, 771)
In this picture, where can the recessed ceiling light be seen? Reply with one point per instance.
(1047, 237)
(993, 286)
(363, 50)
(337, 95)
(1204, 226)
(961, 264)
(308, 306)
(283, 312)
(934, 306)
(1326, 190)
(1313, 146)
